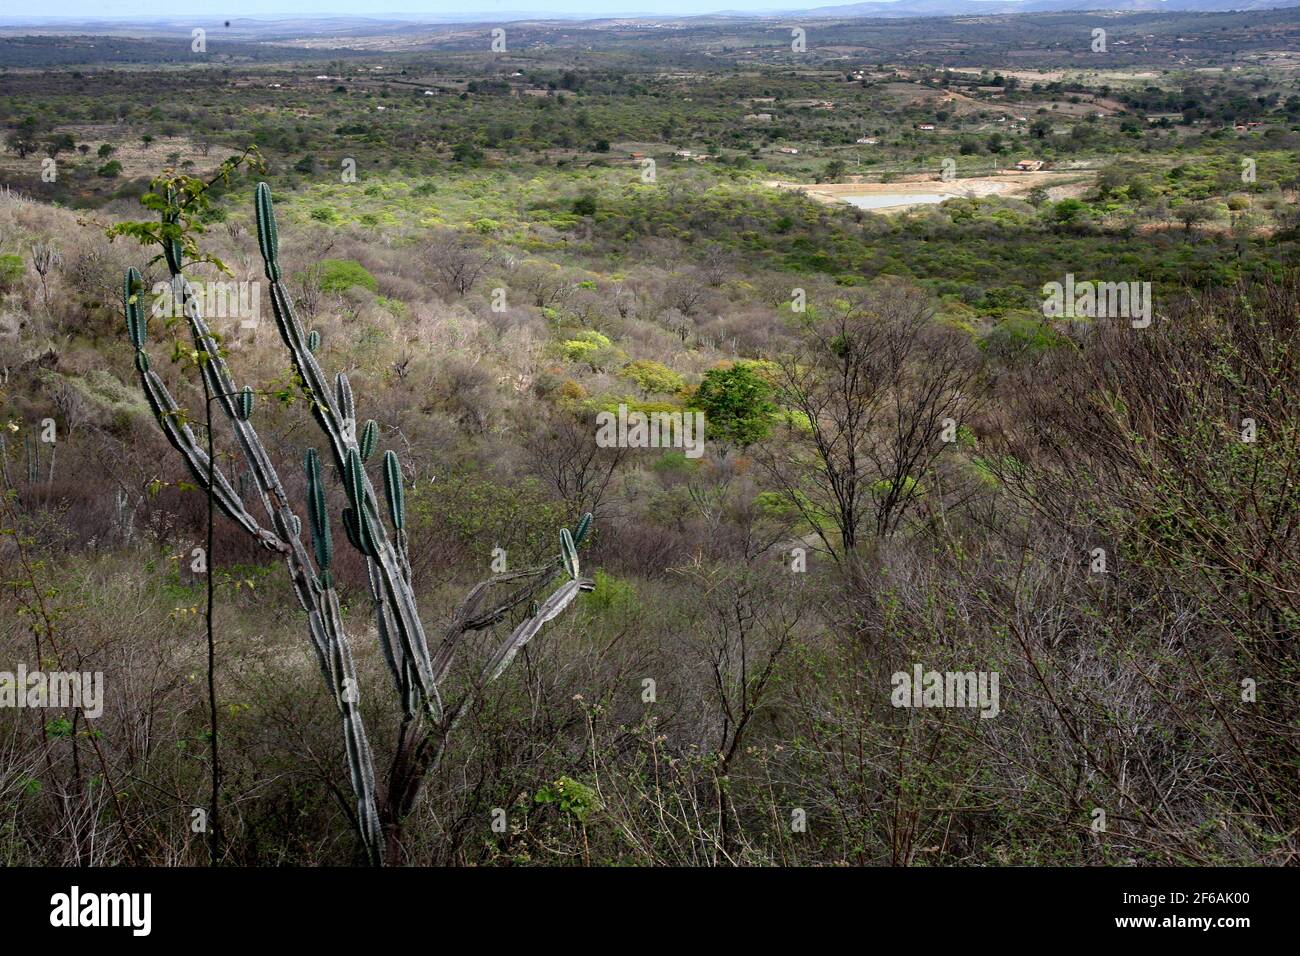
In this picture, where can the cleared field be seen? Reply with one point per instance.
(1010, 184)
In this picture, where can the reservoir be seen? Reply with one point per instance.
(885, 200)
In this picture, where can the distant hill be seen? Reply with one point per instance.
(901, 9)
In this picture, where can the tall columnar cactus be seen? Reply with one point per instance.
(417, 674)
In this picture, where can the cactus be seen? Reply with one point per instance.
(369, 439)
(417, 674)
(570, 553)
(343, 395)
(268, 238)
(135, 320)
(319, 518)
(580, 532)
(394, 492)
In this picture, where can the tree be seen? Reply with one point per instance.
(339, 275)
(1069, 211)
(652, 377)
(871, 389)
(457, 260)
(58, 143)
(467, 154)
(1192, 214)
(833, 171)
(25, 137)
(737, 404)
(563, 453)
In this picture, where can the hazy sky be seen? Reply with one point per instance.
(269, 9)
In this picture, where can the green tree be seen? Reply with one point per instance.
(652, 377)
(737, 404)
(833, 171)
(25, 137)
(339, 275)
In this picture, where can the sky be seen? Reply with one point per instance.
(480, 9)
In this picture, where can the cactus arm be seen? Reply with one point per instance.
(580, 532)
(182, 439)
(369, 439)
(569, 554)
(361, 761)
(550, 609)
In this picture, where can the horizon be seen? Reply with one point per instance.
(129, 11)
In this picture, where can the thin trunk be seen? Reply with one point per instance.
(214, 824)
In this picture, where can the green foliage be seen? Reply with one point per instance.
(339, 275)
(572, 797)
(612, 594)
(469, 508)
(12, 270)
(652, 377)
(592, 349)
(181, 203)
(585, 344)
(737, 404)
(1020, 336)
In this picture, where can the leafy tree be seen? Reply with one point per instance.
(1069, 211)
(652, 376)
(467, 154)
(58, 143)
(339, 275)
(737, 404)
(833, 171)
(1191, 214)
(24, 139)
